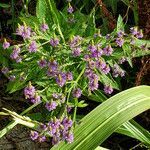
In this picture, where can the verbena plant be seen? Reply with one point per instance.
(64, 56)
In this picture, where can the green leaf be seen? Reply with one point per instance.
(127, 51)
(109, 81)
(90, 30)
(133, 129)
(99, 124)
(4, 5)
(81, 104)
(30, 21)
(135, 12)
(41, 9)
(120, 24)
(14, 86)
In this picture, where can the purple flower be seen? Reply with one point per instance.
(24, 31)
(139, 35)
(44, 27)
(106, 69)
(100, 64)
(14, 55)
(92, 48)
(61, 79)
(122, 60)
(4, 70)
(122, 73)
(119, 41)
(108, 50)
(34, 135)
(77, 93)
(41, 139)
(75, 41)
(42, 63)
(59, 96)
(6, 44)
(52, 68)
(29, 91)
(120, 34)
(76, 51)
(70, 9)
(32, 47)
(69, 76)
(54, 42)
(69, 109)
(108, 89)
(118, 71)
(36, 99)
(134, 30)
(55, 140)
(51, 105)
(91, 64)
(43, 126)
(54, 126)
(68, 136)
(88, 72)
(18, 59)
(86, 57)
(53, 65)
(67, 123)
(97, 53)
(93, 81)
(108, 36)
(93, 85)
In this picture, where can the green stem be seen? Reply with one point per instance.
(74, 115)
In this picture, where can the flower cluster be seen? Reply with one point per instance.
(54, 42)
(15, 54)
(93, 79)
(24, 31)
(4, 70)
(60, 77)
(32, 47)
(138, 34)
(119, 39)
(75, 45)
(57, 99)
(108, 89)
(77, 93)
(117, 71)
(58, 129)
(30, 93)
(44, 27)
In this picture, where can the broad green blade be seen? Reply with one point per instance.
(134, 130)
(100, 123)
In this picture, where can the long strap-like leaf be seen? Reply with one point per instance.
(99, 124)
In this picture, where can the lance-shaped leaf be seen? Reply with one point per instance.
(100, 123)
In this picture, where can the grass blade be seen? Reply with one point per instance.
(99, 124)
